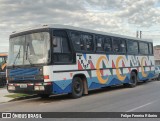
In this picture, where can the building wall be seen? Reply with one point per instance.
(157, 54)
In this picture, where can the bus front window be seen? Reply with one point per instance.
(16, 50)
(29, 49)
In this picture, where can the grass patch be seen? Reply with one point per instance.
(17, 95)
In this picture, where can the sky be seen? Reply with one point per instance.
(123, 17)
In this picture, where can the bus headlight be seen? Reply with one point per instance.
(39, 88)
(10, 87)
(36, 87)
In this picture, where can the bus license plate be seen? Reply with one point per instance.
(23, 85)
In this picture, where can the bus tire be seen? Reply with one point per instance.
(133, 80)
(44, 95)
(77, 87)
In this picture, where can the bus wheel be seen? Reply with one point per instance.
(77, 87)
(133, 80)
(44, 95)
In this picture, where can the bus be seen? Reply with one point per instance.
(3, 60)
(61, 59)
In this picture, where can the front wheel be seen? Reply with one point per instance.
(77, 87)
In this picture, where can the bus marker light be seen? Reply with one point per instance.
(46, 76)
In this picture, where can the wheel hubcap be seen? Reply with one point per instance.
(77, 87)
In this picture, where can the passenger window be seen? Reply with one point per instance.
(119, 45)
(77, 42)
(108, 44)
(61, 45)
(82, 42)
(99, 43)
(88, 39)
(122, 46)
(57, 44)
(143, 48)
(132, 47)
(61, 49)
(115, 45)
(150, 48)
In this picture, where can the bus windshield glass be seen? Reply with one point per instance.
(29, 49)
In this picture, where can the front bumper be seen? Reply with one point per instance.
(30, 88)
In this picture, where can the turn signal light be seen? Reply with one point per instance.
(46, 76)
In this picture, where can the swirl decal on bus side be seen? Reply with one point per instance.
(100, 79)
(120, 76)
(142, 68)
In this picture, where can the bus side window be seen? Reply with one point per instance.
(57, 44)
(115, 44)
(88, 40)
(132, 47)
(119, 45)
(143, 48)
(99, 43)
(61, 49)
(108, 44)
(122, 46)
(77, 41)
(82, 42)
(150, 48)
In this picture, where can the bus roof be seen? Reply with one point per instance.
(58, 26)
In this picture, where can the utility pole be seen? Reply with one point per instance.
(140, 34)
(137, 34)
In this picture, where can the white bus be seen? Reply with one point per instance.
(61, 59)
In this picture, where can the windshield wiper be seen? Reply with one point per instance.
(17, 56)
(27, 58)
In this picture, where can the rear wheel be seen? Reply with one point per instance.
(77, 87)
(133, 80)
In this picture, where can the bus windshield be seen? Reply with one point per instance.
(29, 49)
